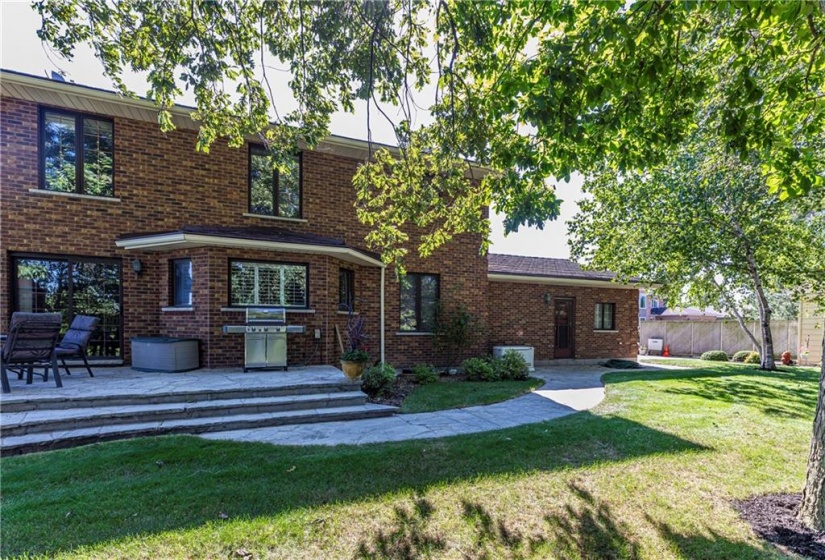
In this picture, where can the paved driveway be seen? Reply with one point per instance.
(567, 389)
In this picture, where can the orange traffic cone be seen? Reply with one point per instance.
(666, 353)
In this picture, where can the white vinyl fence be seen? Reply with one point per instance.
(692, 338)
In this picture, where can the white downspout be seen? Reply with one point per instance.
(382, 313)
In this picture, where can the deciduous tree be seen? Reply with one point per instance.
(530, 90)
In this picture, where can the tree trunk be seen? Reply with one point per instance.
(812, 510)
(766, 355)
(767, 361)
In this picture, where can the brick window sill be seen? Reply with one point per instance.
(173, 309)
(74, 195)
(243, 310)
(277, 218)
(346, 312)
(414, 333)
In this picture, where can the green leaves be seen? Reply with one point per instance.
(528, 90)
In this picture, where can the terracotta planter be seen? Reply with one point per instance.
(353, 370)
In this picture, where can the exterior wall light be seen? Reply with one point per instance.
(548, 299)
(137, 266)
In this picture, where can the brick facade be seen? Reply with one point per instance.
(162, 184)
(519, 316)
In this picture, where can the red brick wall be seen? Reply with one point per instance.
(162, 183)
(519, 316)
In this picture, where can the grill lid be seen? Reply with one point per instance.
(269, 315)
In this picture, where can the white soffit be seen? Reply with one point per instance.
(179, 240)
(558, 281)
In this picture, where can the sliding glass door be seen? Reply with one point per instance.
(73, 286)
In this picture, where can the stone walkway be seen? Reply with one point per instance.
(567, 389)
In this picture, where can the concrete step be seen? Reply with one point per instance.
(42, 420)
(13, 403)
(45, 441)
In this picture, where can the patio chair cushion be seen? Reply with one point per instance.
(18, 329)
(78, 336)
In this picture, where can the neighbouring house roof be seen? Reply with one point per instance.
(250, 237)
(688, 314)
(509, 268)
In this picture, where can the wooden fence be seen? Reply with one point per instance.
(692, 338)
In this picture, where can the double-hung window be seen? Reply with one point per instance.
(76, 153)
(270, 284)
(419, 300)
(605, 316)
(181, 274)
(272, 192)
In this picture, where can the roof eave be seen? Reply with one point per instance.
(558, 281)
(183, 240)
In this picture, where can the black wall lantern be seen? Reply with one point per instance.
(548, 299)
(137, 266)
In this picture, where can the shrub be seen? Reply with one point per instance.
(752, 358)
(511, 366)
(715, 356)
(455, 330)
(424, 374)
(741, 355)
(356, 355)
(479, 369)
(378, 380)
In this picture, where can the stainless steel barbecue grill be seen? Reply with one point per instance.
(265, 337)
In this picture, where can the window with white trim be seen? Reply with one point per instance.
(271, 284)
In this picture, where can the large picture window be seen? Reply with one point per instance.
(419, 299)
(605, 316)
(76, 153)
(273, 193)
(73, 286)
(270, 284)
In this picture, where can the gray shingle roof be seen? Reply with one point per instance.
(515, 265)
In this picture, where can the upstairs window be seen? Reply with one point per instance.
(273, 193)
(181, 274)
(76, 153)
(419, 299)
(269, 284)
(642, 302)
(605, 316)
(346, 289)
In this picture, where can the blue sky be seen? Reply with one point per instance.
(21, 50)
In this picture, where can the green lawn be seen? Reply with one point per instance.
(460, 394)
(648, 474)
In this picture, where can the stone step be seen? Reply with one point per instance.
(13, 403)
(33, 442)
(40, 421)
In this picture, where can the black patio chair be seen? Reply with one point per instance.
(76, 340)
(30, 344)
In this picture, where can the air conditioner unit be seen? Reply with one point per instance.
(655, 345)
(525, 351)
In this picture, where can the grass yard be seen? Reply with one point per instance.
(460, 394)
(648, 474)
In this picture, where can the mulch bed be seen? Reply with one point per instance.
(773, 517)
(405, 384)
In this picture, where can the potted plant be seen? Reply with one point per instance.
(355, 358)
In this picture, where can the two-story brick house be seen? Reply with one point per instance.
(101, 213)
